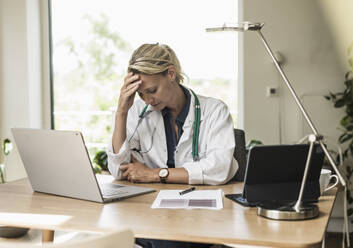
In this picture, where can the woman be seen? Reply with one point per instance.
(155, 139)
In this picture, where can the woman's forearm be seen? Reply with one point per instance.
(119, 134)
(178, 175)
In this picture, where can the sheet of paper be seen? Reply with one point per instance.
(205, 199)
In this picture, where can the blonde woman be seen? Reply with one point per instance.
(170, 135)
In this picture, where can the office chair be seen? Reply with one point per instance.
(124, 238)
(240, 154)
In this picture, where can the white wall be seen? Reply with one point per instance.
(308, 35)
(338, 15)
(21, 76)
(300, 33)
(14, 82)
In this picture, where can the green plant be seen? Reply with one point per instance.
(340, 100)
(97, 169)
(6, 147)
(101, 159)
(344, 100)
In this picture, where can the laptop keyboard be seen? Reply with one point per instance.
(111, 189)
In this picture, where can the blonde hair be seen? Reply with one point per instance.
(154, 59)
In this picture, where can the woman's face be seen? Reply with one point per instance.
(158, 90)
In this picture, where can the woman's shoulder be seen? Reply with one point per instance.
(211, 102)
(213, 109)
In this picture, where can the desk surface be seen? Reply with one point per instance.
(233, 224)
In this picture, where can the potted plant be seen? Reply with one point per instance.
(100, 161)
(6, 147)
(344, 99)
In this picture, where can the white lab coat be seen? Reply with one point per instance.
(216, 142)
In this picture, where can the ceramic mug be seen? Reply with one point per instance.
(325, 178)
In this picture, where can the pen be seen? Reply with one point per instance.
(187, 191)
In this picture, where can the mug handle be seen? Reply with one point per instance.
(333, 185)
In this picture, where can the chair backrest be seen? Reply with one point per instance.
(124, 238)
(240, 154)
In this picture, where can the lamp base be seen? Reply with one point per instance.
(287, 212)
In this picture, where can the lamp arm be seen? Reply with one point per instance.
(279, 68)
(301, 107)
(298, 204)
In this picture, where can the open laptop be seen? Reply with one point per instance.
(274, 174)
(57, 162)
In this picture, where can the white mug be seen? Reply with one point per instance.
(325, 179)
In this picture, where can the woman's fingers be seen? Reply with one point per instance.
(125, 168)
(132, 88)
(127, 92)
(125, 174)
(130, 78)
(127, 97)
(129, 172)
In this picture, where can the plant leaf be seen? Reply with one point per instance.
(101, 159)
(340, 103)
(327, 97)
(348, 83)
(349, 127)
(345, 121)
(6, 146)
(349, 198)
(345, 137)
(333, 96)
(97, 169)
(345, 154)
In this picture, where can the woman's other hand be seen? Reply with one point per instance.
(137, 172)
(127, 92)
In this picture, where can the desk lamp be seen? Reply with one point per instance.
(298, 211)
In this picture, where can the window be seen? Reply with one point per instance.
(93, 40)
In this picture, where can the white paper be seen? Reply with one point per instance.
(204, 199)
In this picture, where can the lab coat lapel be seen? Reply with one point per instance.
(157, 119)
(188, 127)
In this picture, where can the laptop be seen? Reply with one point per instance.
(274, 174)
(57, 162)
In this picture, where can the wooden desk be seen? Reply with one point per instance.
(234, 224)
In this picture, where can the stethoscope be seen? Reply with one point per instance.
(195, 137)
